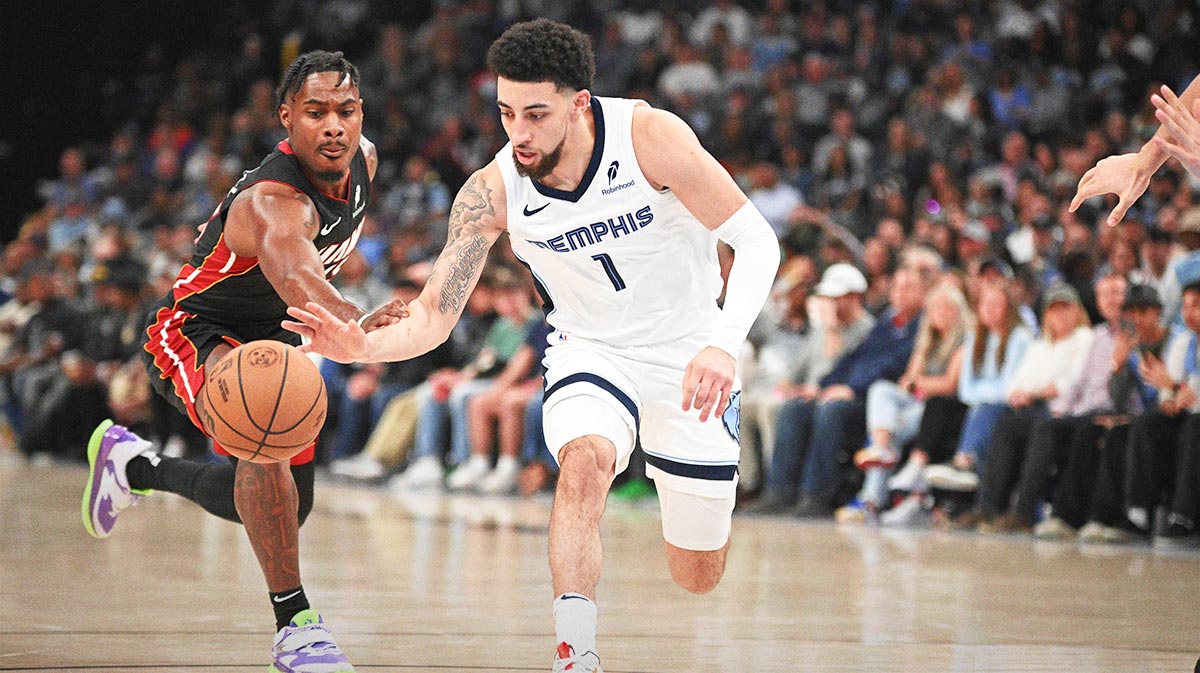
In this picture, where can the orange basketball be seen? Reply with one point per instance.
(265, 402)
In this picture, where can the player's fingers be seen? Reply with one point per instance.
(1118, 213)
(298, 327)
(305, 348)
(705, 398)
(303, 316)
(722, 401)
(689, 387)
(1084, 191)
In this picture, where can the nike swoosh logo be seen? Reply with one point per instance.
(328, 228)
(280, 599)
(529, 212)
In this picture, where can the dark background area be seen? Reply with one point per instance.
(71, 70)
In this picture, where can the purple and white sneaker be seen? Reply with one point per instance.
(107, 491)
(306, 646)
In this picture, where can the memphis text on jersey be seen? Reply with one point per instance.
(581, 237)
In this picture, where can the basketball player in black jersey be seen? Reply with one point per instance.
(275, 241)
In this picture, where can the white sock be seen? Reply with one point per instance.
(477, 463)
(575, 622)
(506, 464)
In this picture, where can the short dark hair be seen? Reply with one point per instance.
(543, 51)
(308, 63)
(1193, 286)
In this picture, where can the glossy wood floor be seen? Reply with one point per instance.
(461, 584)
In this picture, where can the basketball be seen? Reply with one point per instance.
(265, 401)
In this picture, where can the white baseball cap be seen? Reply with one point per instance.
(841, 279)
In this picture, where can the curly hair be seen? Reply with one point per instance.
(543, 51)
(308, 63)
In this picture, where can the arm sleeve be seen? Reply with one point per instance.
(755, 261)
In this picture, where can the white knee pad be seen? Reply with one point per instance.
(581, 415)
(695, 522)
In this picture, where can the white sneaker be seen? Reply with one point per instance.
(950, 478)
(565, 659)
(503, 479)
(469, 474)
(910, 512)
(910, 478)
(425, 474)
(306, 646)
(360, 466)
(1054, 528)
(107, 492)
(1096, 532)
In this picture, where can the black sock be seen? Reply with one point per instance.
(209, 485)
(287, 604)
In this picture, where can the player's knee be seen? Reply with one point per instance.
(587, 457)
(694, 571)
(695, 583)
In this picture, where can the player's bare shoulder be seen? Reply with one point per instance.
(265, 205)
(662, 142)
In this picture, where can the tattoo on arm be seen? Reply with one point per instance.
(466, 247)
(467, 260)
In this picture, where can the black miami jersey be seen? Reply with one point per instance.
(219, 286)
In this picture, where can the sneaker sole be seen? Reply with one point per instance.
(93, 452)
(274, 669)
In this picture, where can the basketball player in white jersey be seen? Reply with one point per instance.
(617, 209)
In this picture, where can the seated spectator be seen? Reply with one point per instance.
(75, 396)
(813, 432)
(445, 400)
(499, 413)
(31, 362)
(839, 324)
(1065, 443)
(1048, 370)
(991, 353)
(894, 410)
(1164, 452)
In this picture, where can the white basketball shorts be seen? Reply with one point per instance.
(633, 396)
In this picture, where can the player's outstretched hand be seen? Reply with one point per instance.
(1182, 129)
(708, 381)
(328, 335)
(389, 314)
(1124, 175)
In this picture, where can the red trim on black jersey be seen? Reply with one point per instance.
(194, 280)
(285, 147)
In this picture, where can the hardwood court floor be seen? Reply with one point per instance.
(461, 584)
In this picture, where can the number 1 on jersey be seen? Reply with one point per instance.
(611, 270)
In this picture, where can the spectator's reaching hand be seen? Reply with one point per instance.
(1019, 399)
(1181, 139)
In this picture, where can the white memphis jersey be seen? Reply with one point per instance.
(616, 260)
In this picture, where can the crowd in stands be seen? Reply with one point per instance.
(946, 342)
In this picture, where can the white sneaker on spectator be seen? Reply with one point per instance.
(425, 474)
(1096, 532)
(503, 479)
(909, 513)
(910, 478)
(1054, 528)
(950, 478)
(469, 474)
(359, 466)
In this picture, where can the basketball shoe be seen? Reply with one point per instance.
(306, 646)
(565, 659)
(107, 492)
